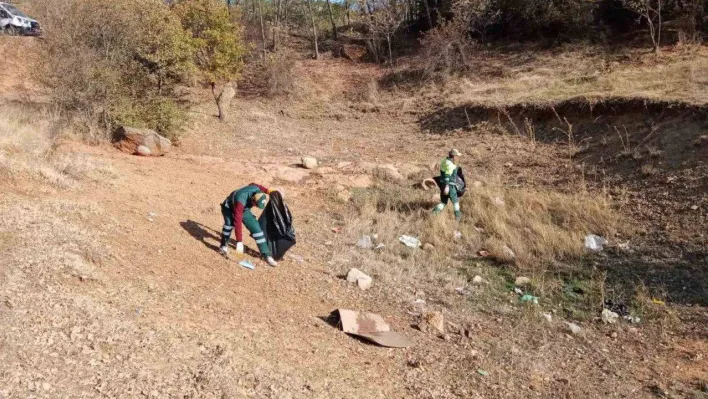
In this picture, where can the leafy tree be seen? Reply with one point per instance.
(218, 43)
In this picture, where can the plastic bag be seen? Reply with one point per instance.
(277, 224)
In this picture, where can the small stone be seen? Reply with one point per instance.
(477, 280)
(522, 281)
(143, 150)
(694, 208)
(548, 317)
(574, 328)
(508, 253)
(355, 274)
(432, 322)
(364, 283)
(614, 334)
(458, 235)
(428, 246)
(309, 162)
(609, 317)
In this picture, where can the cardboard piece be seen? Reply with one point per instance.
(371, 327)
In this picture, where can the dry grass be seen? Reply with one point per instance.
(28, 150)
(540, 227)
(592, 73)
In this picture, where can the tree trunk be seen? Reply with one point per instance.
(427, 14)
(314, 29)
(331, 20)
(260, 17)
(223, 99)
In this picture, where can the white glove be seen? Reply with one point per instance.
(446, 191)
(239, 247)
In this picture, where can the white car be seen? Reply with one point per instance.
(15, 22)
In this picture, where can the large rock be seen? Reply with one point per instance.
(128, 139)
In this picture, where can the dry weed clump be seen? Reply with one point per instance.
(528, 227)
(28, 151)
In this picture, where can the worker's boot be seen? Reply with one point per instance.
(271, 262)
(458, 216)
(438, 209)
(224, 251)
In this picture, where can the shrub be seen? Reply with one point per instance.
(116, 61)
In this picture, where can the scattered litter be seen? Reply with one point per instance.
(336, 230)
(409, 241)
(483, 253)
(419, 301)
(479, 230)
(529, 298)
(617, 307)
(457, 235)
(499, 201)
(548, 317)
(138, 311)
(522, 281)
(594, 243)
(658, 302)
(460, 290)
(482, 373)
(694, 207)
(632, 319)
(609, 317)
(477, 280)
(372, 327)
(365, 242)
(247, 264)
(574, 328)
(380, 245)
(518, 291)
(428, 246)
(152, 214)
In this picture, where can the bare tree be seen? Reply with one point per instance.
(314, 28)
(331, 20)
(385, 22)
(650, 10)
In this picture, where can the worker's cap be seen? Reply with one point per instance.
(455, 153)
(260, 200)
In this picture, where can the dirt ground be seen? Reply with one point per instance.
(115, 288)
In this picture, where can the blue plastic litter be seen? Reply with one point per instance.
(247, 264)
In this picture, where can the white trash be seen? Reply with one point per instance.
(594, 243)
(609, 317)
(410, 242)
(365, 242)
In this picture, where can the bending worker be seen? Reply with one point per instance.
(236, 209)
(448, 186)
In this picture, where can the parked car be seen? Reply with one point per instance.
(15, 22)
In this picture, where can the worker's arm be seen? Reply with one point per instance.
(238, 220)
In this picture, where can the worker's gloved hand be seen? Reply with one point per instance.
(446, 191)
(239, 247)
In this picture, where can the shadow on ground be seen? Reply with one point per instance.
(205, 234)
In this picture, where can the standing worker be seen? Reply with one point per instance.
(448, 184)
(236, 209)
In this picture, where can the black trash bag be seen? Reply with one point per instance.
(460, 182)
(277, 224)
